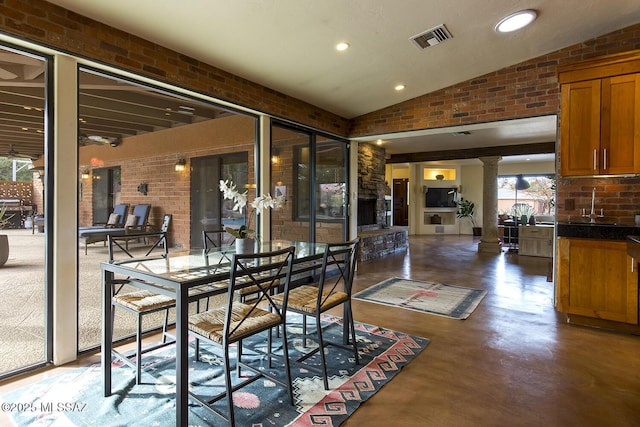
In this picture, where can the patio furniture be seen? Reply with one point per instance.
(135, 222)
(140, 302)
(333, 289)
(228, 325)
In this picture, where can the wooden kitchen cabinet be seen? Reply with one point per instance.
(600, 116)
(596, 278)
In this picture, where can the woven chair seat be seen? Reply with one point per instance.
(304, 298)
(143, 300)
(210, 324)
(254, 288)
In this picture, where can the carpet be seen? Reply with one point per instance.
(434, 298)
(75, 398)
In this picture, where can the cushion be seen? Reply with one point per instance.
(114, 219)
(132, 221)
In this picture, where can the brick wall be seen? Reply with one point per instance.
(618, 197)
(53, 26)
(523, 90)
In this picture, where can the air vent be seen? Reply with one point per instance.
(431, 37)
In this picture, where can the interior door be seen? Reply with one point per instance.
(400, 202)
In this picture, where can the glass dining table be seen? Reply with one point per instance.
(188, 276)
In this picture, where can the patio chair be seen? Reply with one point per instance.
(333, 289)
(136, 221)
(140, 302)
(231, 324)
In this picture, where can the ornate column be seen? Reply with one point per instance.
(489, 242)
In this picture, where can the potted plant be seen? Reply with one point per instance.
(466, 209)
(245, 235)
(4, 239)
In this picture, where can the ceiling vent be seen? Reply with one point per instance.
(431, 37)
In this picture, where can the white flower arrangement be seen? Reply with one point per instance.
(260, 203)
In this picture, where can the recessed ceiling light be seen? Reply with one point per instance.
(516, 21)
(399, 87)
(379, 142)
(342, 46)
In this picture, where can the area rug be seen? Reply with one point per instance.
(434, 298)
(75, 398)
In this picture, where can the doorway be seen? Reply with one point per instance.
(400, 202)
(106, 193)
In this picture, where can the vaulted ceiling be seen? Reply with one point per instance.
(288, 45)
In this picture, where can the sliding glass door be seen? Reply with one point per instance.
(24, 337)
(311, 170)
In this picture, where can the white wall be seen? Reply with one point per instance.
(471, 185)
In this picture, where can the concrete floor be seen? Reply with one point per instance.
(513, 362)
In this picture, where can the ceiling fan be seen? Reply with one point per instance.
(13, 154)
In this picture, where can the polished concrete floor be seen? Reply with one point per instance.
(513, 362)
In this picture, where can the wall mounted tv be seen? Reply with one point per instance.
(441, 197)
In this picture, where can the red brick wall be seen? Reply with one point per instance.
(53, 26)
(523, 90)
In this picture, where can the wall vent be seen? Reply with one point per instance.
(431, 37)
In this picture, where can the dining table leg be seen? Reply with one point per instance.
(182, 357)
(107, 331)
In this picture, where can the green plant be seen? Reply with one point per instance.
(466, 209)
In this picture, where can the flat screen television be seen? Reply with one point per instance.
(441, 197)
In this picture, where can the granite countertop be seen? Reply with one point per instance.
(597, 230)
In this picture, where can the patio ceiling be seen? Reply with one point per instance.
(109, 109)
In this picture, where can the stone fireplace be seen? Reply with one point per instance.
(376, 238)
(367, 212)
(372, 186)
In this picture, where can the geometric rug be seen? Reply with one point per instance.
(428, 297)
(75, 398)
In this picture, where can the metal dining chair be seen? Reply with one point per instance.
(235, 321)
(140, 302)
(333, 289)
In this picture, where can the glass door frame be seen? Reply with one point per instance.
(313, 136)
(47, 177)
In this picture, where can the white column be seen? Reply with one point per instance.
(65, 209)
(489, 242)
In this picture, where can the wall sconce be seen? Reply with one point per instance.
(142, 188)
(181, 165)
(275, 155)
(86, 174)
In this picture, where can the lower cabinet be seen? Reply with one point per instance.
(536, 241)
(596, 278)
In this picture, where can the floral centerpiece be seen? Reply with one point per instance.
(259, 204)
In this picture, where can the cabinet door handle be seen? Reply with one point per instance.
(604, 162)
(595, 160)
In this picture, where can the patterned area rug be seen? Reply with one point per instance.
(75, 398)
(434, 298)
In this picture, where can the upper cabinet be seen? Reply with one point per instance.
(600, 116)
